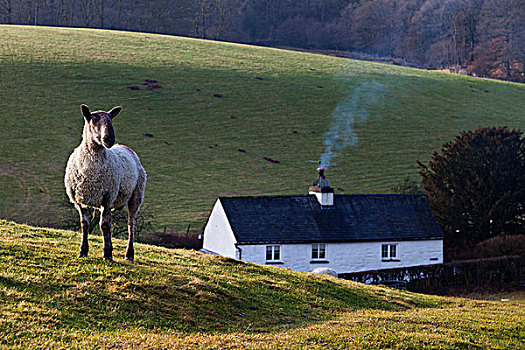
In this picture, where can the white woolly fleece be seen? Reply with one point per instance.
(104, 179)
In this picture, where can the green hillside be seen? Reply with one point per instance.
(184, 299)
(195, 147)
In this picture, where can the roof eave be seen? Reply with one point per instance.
(338, 241)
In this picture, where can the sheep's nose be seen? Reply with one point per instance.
(108, 143)
(108, 140)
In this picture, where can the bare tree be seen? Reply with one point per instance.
(86, 13)
(100, 5)
(6, 10)
(500, 51)
(373, 26)
(212, 17)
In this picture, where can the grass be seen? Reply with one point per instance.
(184, 299)
(46, 73)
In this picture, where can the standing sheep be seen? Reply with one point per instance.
(104, 175)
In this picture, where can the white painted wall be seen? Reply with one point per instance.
(218, 234)
(351, 257)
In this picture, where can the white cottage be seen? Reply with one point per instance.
(347, 233)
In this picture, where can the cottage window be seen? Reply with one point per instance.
(388, 251)
(318, 251)
(273, 253)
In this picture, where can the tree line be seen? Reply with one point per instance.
(481, 37)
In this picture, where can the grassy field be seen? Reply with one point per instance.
(275, 103)
(184, 299)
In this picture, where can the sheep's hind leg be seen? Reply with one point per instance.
(105, 227)
(84, 224)
(133, 208)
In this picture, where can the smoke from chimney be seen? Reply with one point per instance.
(354, 108)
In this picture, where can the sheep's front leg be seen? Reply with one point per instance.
(105, 227)
(84, 224)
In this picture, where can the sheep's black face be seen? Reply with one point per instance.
(102, 129)
(107, 135)
(100, 126)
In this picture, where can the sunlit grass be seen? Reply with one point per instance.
(184, 299)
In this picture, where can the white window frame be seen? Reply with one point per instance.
(275, 253)
(318, 252)
(387, 253)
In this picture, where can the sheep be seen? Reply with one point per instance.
(104, 175)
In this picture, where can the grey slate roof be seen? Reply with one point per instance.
(300, 218)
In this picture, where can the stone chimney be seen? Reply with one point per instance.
(322, 190)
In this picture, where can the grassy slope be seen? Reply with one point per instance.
(183, 299)
(46, 73)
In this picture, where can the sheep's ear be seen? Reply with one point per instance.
(115, 111)
(86, 112)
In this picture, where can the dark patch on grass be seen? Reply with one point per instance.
(217, 95)
(233, 117)
(147, 134)
(273, 161)
(149, 81)
(259, 78)
(12, 283)
(154, 87)
(319, 86)
(241, 150)
(133, 87)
